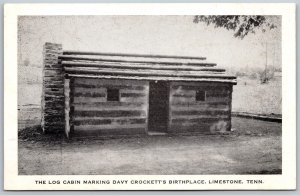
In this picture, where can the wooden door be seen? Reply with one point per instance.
(158, 106)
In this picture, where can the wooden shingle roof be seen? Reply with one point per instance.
(142, 67)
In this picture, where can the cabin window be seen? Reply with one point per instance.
(200, 96)
(113, 95)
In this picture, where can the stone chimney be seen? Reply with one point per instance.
(53, 89)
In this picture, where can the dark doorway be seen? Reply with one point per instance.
(158, 106)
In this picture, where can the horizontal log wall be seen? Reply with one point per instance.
(53, 89)
(209, 116)
(92, 113)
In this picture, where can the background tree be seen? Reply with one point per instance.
(240, 24)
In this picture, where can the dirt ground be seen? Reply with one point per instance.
(254, 147)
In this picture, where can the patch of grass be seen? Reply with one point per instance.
(252, 97)
(252, 127)
(35, 133)
(266, 172)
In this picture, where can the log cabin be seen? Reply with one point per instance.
(120, 94)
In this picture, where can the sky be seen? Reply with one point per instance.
(163, 35)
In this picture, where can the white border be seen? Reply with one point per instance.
(12, 181)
